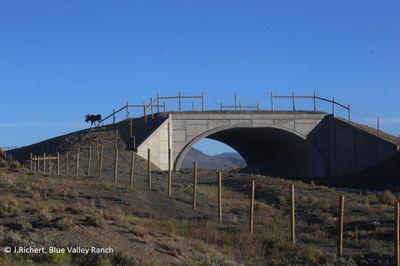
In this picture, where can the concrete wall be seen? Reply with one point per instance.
(158, 142)
(357, 150)
(346, 148)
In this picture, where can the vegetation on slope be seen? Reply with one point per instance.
(147, 228)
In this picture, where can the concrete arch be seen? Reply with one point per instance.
(268, 149)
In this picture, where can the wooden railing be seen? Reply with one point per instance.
(314, 98)
(155, 104)
(240, 107)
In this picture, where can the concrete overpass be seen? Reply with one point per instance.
(276, 143)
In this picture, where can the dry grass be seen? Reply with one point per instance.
(67, 203)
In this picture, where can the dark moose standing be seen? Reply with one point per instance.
(93, 119)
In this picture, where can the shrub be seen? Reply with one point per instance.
(387, 197)
(65, 222)
(7, 180)
(192, 262)
(44, 215)
(312, 256)
(137, 230)
(3, 163)
(25, 225)
(9, 205)
(281, 201)
(260, 207)
(59, 258)
(15, 164)
(96, 219)
(105, 262)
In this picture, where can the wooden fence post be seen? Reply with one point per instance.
(144, 112)
(89, 161)
(251, 222)
(180, 102)
(377, 126)
(220, 197)
(50, 164)
(169, 172)
(293, 223)
(34, 164)
(194, 185)
(101, 160)
(77, 163)
(341, 216)
(131, 128)
(38, 163)
(66, 164)
(149, 168)
(31, 161)
(315, 103)
(44, 163)
(132, 169)
(397, 247)
(116, 167)
(151, 108)
(58, 163)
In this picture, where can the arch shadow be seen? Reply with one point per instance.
(270, 150)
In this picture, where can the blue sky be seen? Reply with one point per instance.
(62, 59)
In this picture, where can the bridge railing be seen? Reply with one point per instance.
(155, 104)
(239, 107)
(315, 98)
(158, 104)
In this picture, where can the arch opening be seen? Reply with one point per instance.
(212, 155)
(272, 151)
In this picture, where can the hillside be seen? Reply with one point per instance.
(145, 227)
(217, 162)
(110, 136)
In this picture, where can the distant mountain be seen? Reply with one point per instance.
(233, 157)
(227, 160)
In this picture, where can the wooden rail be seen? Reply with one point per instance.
(239, 106)
(315, 98)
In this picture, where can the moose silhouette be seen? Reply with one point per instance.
(93, 119)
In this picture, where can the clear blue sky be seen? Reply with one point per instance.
(62, 59)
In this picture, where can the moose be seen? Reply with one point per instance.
(93, 119)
